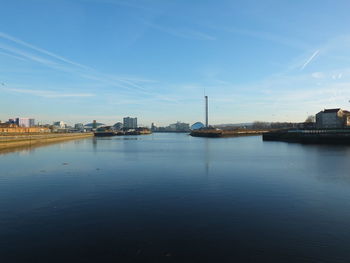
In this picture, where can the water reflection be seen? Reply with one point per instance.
(94, 144)
(21, 150)
(207, 155)
(337, 165)
(171, 197)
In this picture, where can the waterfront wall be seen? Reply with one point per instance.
(13, 141)
(217, 133)
(15, 129)
(324, 136)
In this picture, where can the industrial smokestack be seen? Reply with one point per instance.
(206, 111)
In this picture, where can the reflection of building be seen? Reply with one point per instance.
(130, 123)
(333, 118)
(24, 122)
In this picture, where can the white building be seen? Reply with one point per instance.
(333, 118)
(130, 123)
(25, 122)
(179, 126)
(60, 124)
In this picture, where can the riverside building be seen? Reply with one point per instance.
(25, 122)
(333, 118)
(130, 123)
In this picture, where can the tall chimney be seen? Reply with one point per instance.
(206, 111)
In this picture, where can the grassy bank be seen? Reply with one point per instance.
(10, 141)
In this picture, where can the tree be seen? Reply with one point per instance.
(260, 125)
(310, 118)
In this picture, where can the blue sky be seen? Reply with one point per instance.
(81, 60)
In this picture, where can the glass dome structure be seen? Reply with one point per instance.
(197, 126)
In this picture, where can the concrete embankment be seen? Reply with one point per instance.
(217, 133)
(242, 133)
(330, 136)
(29, 140)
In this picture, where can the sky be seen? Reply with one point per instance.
(84, 60)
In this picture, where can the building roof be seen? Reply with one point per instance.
(8, 125)
(331, 110)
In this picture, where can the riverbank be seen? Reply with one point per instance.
(312, 136)
(29, 140)
(217, 133)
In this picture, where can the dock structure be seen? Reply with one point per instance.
(311, 136)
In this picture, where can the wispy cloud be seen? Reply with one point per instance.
(41, 50)
(268, 36)
(317, 75)
(125, 3)
(24, 50)
(308, 61)
(27, 55)
(181, 32)
(48, 94)
(11, 55)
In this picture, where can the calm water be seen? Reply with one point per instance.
(174, 198)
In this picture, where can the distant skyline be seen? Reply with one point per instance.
(84, 60)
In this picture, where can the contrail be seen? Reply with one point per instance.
(41, 50)
(310, 59)
(58, 62)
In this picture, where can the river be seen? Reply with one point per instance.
(175, 198)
